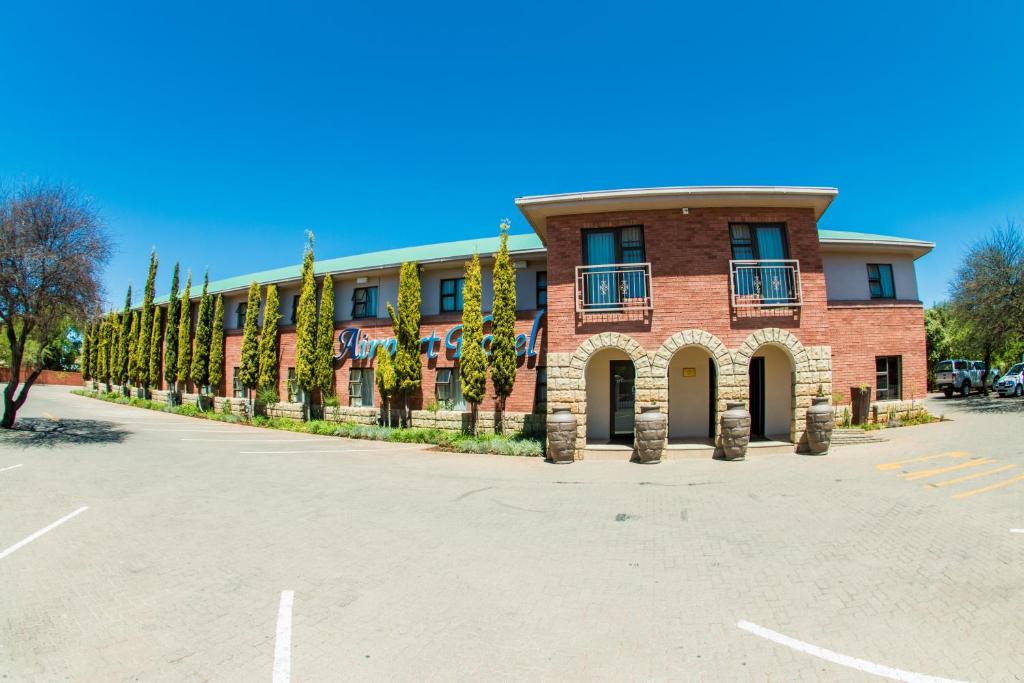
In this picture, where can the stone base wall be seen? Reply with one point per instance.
(881, 410)
(811, 373)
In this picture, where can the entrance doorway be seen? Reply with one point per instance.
(623, 395)
(771, 394)
(757, 397)
(692, 397)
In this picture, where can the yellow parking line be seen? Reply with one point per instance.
(911, 476)
(992, 487)
(970, 476)
(897, 465)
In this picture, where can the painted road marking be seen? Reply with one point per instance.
(4, 469)
(320, 440)
(25, 541)
(968, 477)
(897, 465)
(1017, 531)
(840, 659)
(332, 450)
(991, 487)
(911, 476)
(283, 644)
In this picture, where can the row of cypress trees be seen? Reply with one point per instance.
(126, 348)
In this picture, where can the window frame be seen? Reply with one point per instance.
(291, 386)
(365, 384)
(459, 287)
(752, 227)
(891, 363)
(877, 279)
(237, 388)
(540, 389)
(295, 309)
(367, 313)
(240, 312)
(541, 288)
(617, 231)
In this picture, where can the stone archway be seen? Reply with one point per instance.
(804, 380)
(724, 383)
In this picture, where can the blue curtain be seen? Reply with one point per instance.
(600, 285)
(774, 284)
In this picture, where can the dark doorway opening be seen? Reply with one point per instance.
(623, 394)
(757, 397)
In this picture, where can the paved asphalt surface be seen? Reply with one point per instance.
(410, 564)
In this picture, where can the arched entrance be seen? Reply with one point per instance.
(692, 396)
(772, 377)
(610, 378)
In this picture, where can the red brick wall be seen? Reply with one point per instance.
(689, 256)
(521, 400)
(862, 330)
(73, 378)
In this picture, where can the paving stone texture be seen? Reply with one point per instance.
(408, 564)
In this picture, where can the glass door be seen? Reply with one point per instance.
(623, 376)
(599, 250)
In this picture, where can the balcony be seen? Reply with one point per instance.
(765, 283)
(613, 288)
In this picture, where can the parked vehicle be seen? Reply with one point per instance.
(961, 376)
(1012, 383)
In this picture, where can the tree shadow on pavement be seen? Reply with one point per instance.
(991, 404)
(36, 432)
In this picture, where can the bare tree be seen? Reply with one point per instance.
(988, 292)
(53, 244)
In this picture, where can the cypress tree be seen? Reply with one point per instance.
(121, 363)
(305, 327)
(325, 341)
(171, 334)
(83, 362)
(406, 326)
(217, 345)
(185, 332)
(200, 372)
(104, 344)
(503, 328)
(115, 345)
(146, 324)
(387, 382)
(154, 347)
(268, 341)
(472, 362)
(249, 366)
(94, 347)
(133, 344)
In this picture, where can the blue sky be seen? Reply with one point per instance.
(219, 133)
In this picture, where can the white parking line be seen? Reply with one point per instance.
(332, 450)
(1017, 531)
(25, 541)
(842, 660)
(283, 644)
(320, 440)
(4, 469)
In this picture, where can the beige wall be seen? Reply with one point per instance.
(778, 391)
(598, 380)
(688, 396)
(846, 275)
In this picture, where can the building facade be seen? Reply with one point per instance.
(683, 298)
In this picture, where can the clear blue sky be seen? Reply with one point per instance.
(219, 134)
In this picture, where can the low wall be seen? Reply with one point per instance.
(69, 379)
(881, 410)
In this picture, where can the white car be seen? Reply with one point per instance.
(1012, 383)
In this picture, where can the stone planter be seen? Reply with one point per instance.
(735, 431)
(561, 435)
(651, 427)
(820, 423)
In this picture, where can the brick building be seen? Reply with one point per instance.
(680, 297)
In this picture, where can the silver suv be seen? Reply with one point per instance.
(961, 376)
(1012, 383)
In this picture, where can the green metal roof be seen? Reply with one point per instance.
(374, 260)
(863, 236)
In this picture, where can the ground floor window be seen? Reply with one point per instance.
(888, 386)
(237, 389)
(540, 391)
(448, 389)
(360, 387)
(293, 387)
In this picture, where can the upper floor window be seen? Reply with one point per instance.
(364, 302)
(613, 245)
(880, 281)
(295, 308)
(240, 314)
(451, 294)
(542, 288)
(752, 241)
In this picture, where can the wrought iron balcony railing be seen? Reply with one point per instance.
(613, 287)
(765, 283)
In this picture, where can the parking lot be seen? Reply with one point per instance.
(137, 545)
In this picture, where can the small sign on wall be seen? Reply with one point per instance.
(689, 372)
